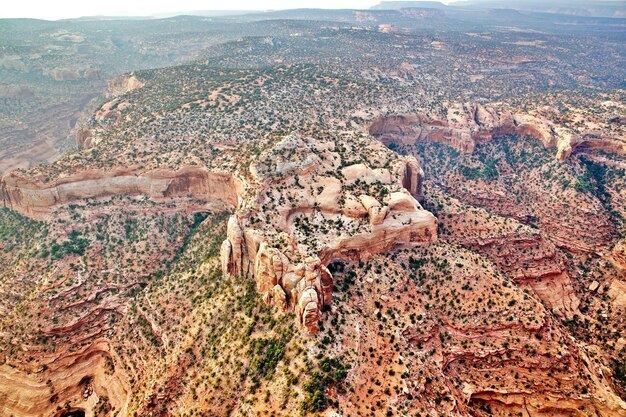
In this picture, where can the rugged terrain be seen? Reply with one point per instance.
(318, 223)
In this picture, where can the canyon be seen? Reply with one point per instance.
(375, 213)
(293, 222)
(395, 221)
(467, 125)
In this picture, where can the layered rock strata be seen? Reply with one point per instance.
(34, 197)
(79, 374)
(466, 125)
(520, 252)
(327, 212)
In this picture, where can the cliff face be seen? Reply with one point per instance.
(34, 198)
(463, 127)
(288, 260)
(484, 348)
(123, 84)
(84, 138)
(74, 374)
(518, 251)
(467, 125)
(618, 255)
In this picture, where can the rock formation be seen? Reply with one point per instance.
(123, 84)
(295, 186)
(521, 253)
(466, 125)
(35, 198)
(84, 138)
(274, 242)
(618, 255)
(73, 374)
(147, 283)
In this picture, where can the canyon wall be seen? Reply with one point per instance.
(465, 126)
(80, 374)
(34, 198)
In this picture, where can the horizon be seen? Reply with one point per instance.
(73, 9)
(37, 9)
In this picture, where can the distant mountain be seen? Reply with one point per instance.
(102, 18)
(567, 7)
(206, 13)
(602, 8)
(395, 5)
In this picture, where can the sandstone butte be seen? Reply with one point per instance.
(295, 277)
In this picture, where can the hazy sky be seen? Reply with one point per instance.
(59, 9)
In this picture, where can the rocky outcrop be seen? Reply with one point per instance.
(593, 141)
(466, 125)
(413, 179)
(297, 185)
(84, 138)
(618, 255)
(123, 84)
(275, 241)
(35, 198)
(69, 375)
(496, 349)
(531, 262)
(409, 129)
